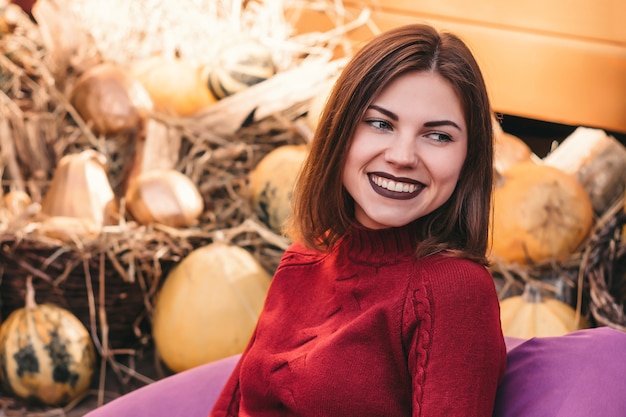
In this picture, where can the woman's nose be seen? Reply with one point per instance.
(402, 152)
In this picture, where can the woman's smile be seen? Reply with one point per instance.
(400, 188)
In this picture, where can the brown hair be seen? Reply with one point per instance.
(323, 211)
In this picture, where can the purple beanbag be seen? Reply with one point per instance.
(582, 374)
(187, 394)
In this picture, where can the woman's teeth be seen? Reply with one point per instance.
(400, 187)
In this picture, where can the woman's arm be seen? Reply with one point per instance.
(457, 355)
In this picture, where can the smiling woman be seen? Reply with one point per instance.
(383, 304)
(409, 149)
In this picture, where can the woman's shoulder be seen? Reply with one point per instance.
(447, 273)
(299, 254)
(455, 288)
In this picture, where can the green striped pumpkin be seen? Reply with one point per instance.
(240, 64)
(46, 354)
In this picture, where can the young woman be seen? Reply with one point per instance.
(383, 306)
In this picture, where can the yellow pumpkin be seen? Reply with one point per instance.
(176, 86)
(208, 306)
(46, 354)
(535, 315)
(272, 182)
(540, 213)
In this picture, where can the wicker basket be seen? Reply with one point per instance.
(74, 280)
(113, 279)
(604, 268)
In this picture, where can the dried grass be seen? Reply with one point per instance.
(118, 274)
(110, 281)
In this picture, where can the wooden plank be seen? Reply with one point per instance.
(601, 20)
(538, 75)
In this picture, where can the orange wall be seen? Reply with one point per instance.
(561, 61)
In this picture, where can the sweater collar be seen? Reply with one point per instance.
(379, 247)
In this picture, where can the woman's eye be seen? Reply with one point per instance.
(379, 124)
(440, 137)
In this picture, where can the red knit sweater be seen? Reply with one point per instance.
(369, 330)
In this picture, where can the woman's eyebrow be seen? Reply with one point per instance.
(437, 123)
(386, 112)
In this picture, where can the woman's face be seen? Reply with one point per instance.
(407, 151)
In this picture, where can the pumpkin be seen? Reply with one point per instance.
(164, 196)
(240, 63)
(533, 314)
(176, 86)
(272, 182)
(510, 150)
(208, 306)
(110, 100)
(540, 213)
(46, 353)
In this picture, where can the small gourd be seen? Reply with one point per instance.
(80, 188)
(46, 353)
(272, 182)
(240, 63)
(208, 306)
(164, 196)
(532, 314)
(16, 201)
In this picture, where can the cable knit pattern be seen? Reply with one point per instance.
(369, 330)
(420, 302)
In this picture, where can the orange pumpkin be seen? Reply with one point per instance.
(176, 86)
(540, 213)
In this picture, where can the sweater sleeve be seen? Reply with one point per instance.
(456, 348)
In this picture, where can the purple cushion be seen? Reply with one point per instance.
(186, 394)
(582, 374)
